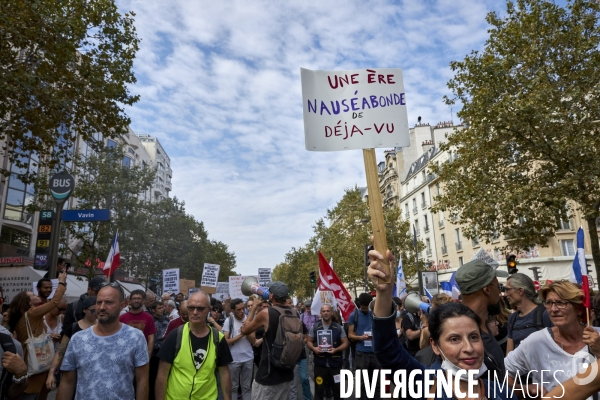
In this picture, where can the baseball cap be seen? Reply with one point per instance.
(307, 303)
(95, 283)
(89, 301)
(279, 289)
(475, 275)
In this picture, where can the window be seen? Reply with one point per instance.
(443, 238)
(428, 246)
(127, 162)
(111, 144)
(423, 203)
(426, 226)
(567, 247)
(15, 237)
(457, 231)
(417, 227)
(406, 208)
(460, 261)
(437, 189)
(20, 196)
(424, 176)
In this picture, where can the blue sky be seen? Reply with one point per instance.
(220, 87)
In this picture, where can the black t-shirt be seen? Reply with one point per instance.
(411, 345)
(72, 329)
(199, 347)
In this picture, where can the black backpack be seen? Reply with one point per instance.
(6, 378)
(538, 320)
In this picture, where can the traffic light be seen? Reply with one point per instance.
(313, 277)
(511, 264)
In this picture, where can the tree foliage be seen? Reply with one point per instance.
(531, 102)
(152, 236)
(341, 235)
(66, 69)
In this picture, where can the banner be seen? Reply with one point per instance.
(170, 280)
(192, 290)
(222, 291)
(235, 286)
(210, 276)
(264, 276)
(354, 109)
(331, 286)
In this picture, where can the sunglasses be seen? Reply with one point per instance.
(199, 309)
(112, 285)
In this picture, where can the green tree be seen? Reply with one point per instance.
(341, 235)
(66, 69)
(102, 182)
(531, 102)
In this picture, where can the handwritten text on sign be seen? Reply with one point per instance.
(235, 287)
(222, 291)
(210, 275)
(354, 109)
(171, 280)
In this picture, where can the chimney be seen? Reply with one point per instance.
(427, 144)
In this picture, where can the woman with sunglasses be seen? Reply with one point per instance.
(561, 350)
(89, 320)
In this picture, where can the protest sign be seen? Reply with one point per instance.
(192, 290)
(185, 285)
(354, 109)
(235, 286)
(222, 291)
(264, 276)
(210, 276)
(171, 280)
(357, 109)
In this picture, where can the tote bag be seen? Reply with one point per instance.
(40, 351)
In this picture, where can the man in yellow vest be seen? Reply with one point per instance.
(190, 355)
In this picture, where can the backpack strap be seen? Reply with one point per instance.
(538, 317)
(216, 340)
(178, 339)
(230, 326)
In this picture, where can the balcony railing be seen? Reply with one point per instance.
(418, 231)
(424, 205)
(429, 252)
(407, 215)
(426, 228)
(458, 246)
(415, 210)
(444, 250)
(441, 223)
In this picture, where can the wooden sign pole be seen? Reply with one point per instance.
(376, 209)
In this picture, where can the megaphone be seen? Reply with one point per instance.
(251, 286)
(413, 303)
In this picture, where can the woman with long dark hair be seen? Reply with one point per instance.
(21, 308)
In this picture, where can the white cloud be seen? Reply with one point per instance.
(220, 87)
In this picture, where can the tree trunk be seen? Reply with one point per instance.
(593, 231)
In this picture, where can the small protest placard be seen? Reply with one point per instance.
(264, 276)
(171, 280)
(235, 286)
(192, 290)
(186, 284)
(222, 291)
(210, 276)
(354, 109)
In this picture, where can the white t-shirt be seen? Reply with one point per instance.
(241, 351)
(540, 352)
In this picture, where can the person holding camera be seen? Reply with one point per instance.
(327, 341)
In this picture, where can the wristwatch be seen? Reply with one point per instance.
(21, 379)
(62, 283)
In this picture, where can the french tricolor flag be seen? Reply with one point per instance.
(113, 261)
(580, 273)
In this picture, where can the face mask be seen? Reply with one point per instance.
(447, 365)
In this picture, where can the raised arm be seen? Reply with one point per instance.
(44, 309)
(261, 320)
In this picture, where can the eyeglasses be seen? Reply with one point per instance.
(561, 305)
(501, 287)
(215, 310)
(199, 309)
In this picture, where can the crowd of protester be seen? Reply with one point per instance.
(109, 346)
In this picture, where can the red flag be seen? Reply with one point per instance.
(329, 281)
(113, 261)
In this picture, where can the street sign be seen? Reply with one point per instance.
(537, 286)
(86, 215)
(44, 235)
(61, 186)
